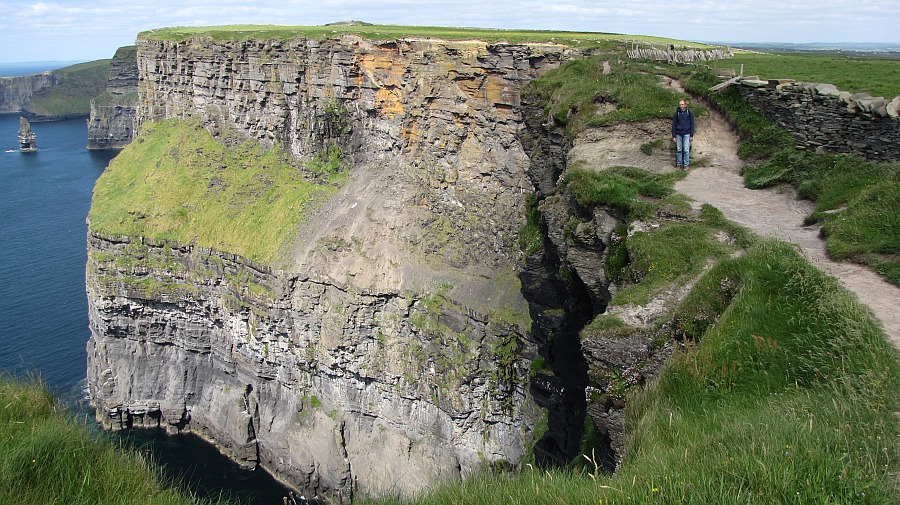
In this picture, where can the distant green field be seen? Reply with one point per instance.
(878, 76)
(244, 32)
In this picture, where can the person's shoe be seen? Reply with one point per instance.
(677, 167)
(685, 167)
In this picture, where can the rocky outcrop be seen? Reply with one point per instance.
(389, 349)
(16, 92)
(823, 118)
(111, 123)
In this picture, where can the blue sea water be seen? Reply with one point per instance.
(32, 67)
(44, 201)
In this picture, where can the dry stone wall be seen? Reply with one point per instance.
(825, 119)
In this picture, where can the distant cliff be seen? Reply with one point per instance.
(16, 92)
(384, 346)
(56, 94)
(111, 122)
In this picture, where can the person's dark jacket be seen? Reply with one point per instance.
(683, 122)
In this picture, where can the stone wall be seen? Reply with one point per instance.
(824, 119)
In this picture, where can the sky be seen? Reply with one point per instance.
(82, 30)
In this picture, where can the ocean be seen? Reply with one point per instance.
(44, 201)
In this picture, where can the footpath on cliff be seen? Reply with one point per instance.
(716, 180)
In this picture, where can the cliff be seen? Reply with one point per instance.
(383, 344)
(54, 95)
(111, 121)
(16, 92)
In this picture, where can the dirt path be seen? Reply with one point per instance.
(716, 180)
(777, 213)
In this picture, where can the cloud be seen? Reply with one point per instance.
(80, 29)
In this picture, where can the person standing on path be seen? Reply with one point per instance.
(682, 134)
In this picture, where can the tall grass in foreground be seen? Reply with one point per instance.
(786, 395)
(48, 458)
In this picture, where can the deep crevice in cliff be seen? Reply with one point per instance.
(561, 304)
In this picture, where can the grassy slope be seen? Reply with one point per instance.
(72, 96)
(787, 397)
(176, 182)
(50, 458)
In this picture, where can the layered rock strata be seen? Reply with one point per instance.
(389, 348)
(16, 92)
(111, 121)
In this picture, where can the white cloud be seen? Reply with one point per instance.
(78, 29)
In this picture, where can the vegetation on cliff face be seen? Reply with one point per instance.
(49, 458)
(72, 96)
(784, 392)
(176, 182)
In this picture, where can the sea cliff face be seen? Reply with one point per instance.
(388, 348)
(16, 92)
(111, 122)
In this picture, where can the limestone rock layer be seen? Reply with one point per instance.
(388, 348)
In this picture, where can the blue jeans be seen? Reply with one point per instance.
(683, 149)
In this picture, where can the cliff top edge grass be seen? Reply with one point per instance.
(382, 32)
(176, 182)
(49, 457)
(572, 94)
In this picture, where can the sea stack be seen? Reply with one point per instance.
(27, 138)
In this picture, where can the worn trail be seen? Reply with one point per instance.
(778, 213)
(715, 179)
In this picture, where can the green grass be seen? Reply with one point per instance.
(634, 191)
(49, 458)
(787, 395)
(72, 96)
(876, 75)
(676, 252)
(176, 182)
(857, 202)
(572, 92)
(382, 32)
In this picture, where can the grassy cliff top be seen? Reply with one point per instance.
(247, 32)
